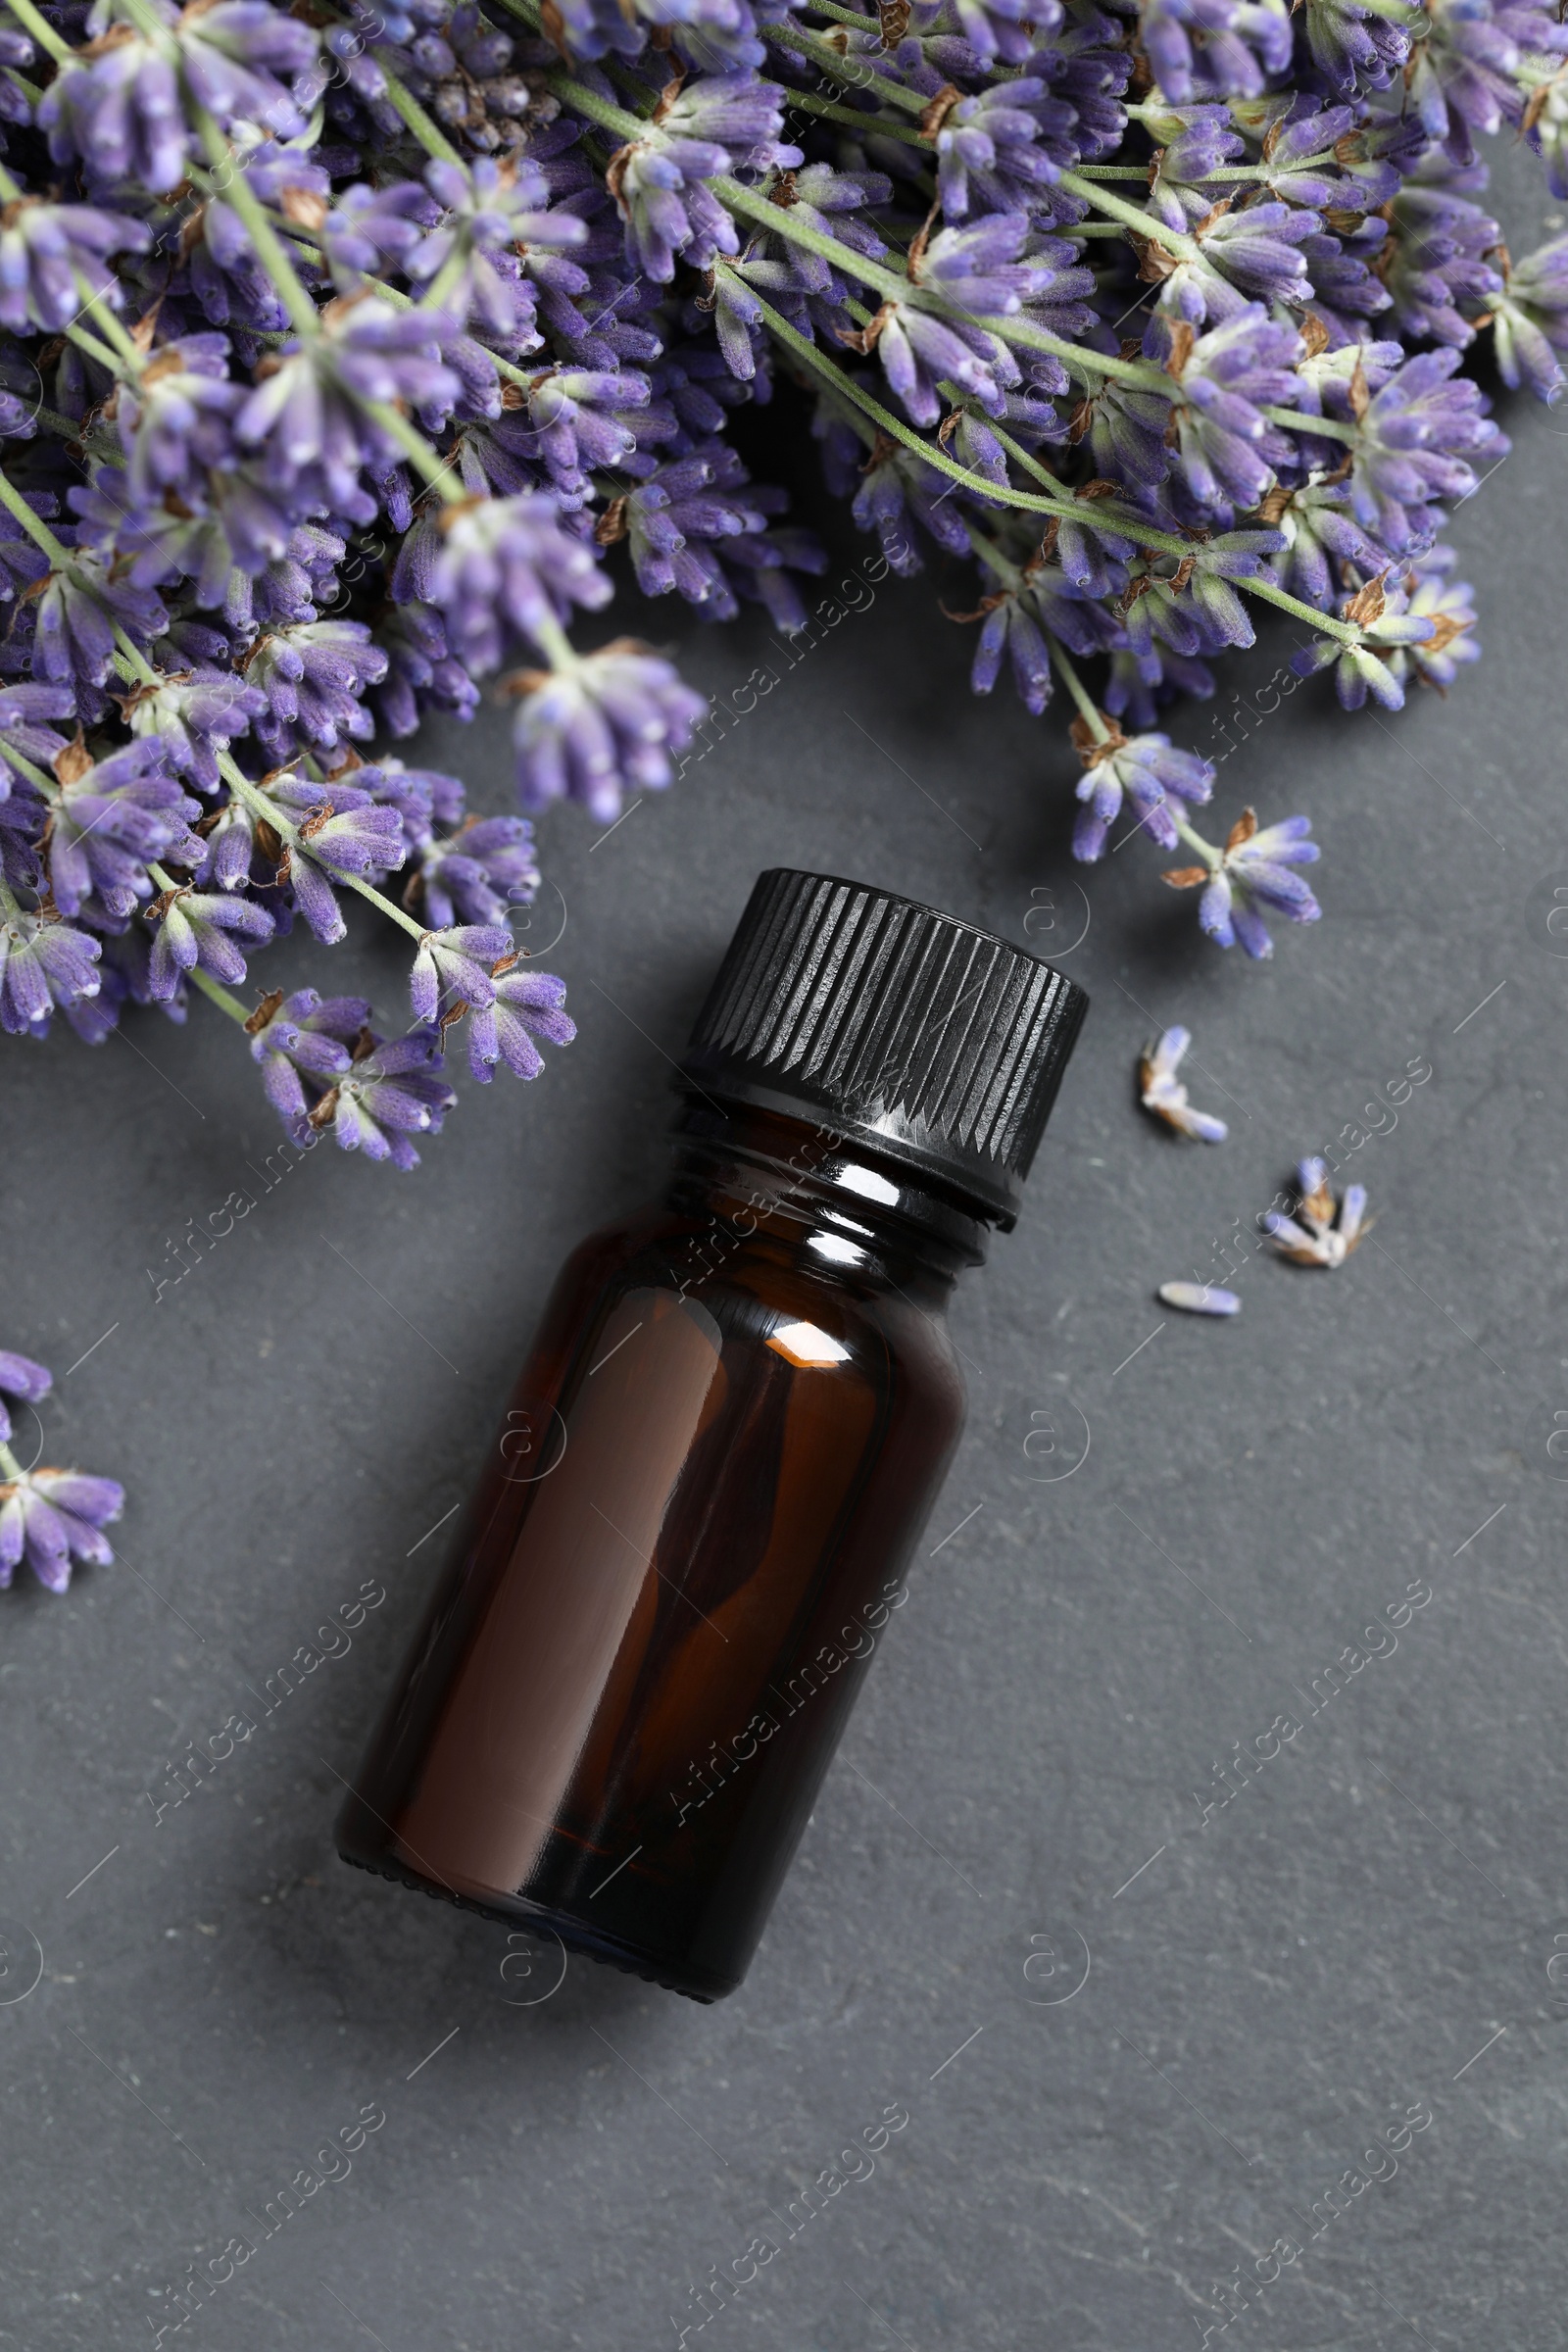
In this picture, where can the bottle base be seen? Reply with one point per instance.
(517, 1912)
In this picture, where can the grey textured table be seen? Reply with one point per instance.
(1365, 1930)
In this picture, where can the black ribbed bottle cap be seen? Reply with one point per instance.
(938, 1043)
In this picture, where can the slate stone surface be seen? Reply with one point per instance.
(1365, 1935)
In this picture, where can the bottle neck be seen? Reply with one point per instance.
(851, 1211)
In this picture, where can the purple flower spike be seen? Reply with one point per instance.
(121, 112)
(477, 873)
(1381, 611)
(313, 420)
(1417, 435)
(75, 639)
(45, 249)
(194, 715)
(1448, 604)
(23, 1379)
(1149, 770)
(989, 147)
(42, 964)
(392, 1092)
(605, 725)
(176, 419)
(197, 932)
(1228, 450)
(524, 1007)
(717, 125)
(300, 1033)
(1529, 320)
(1008, 628)
(52, 1517)
(920, 352)
(1256, 870)
(313, 678)
(508, 560)
(112, 817)
(456, 960)
(489, 208)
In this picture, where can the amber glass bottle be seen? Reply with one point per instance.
(694, 1523)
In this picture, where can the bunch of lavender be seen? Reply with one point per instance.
(340, 344)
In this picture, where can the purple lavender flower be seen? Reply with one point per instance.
(576, 421)
(367, 232)
(23, 710)
(1448, 605)
(524, 1007)
(1193, 609)
(1234, 48)
(197, 932)
(119, 114)
(1416, 436)
(303, 1033)
(343, 833)
(1360, 42)
(120, 111)
(1381, 609)
(456, 960)
(1148, 772)
(313, 679)
(313, 417)
(195, 715)
(507, 561)
(1440, 272)
(75, 639)
(477, 873)
(988, 147)
(1198, 1298)
(921, 351)
(20, 1379)
(1530, 320)
(390, 1093)
(697, 497)
(1251, 253)
(1008, 627)
(42, 964)
(53, 255)
(711, 126)
(112, 817)
(421, 796)
(1228, 450)
(1320, 534)
(488, 208)
(24, 815)
(990, 29)
(421, 670)
(607, 724)
(1463, 75)
(1254, 871)
(176, 419)
(52, 1517)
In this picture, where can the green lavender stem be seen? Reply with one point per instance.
(216, 994)
(1067, 671)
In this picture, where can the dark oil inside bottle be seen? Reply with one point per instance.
(685, 1547)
